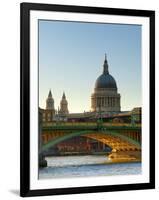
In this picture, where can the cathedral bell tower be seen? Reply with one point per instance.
(63, 105)
(50, 110)
(50, 102)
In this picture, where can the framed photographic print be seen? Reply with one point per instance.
(87, 99)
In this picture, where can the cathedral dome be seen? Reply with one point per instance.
(105, 80)
(105, 97)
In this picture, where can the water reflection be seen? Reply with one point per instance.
(79, 166)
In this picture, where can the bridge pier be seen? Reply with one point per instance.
(42, 161)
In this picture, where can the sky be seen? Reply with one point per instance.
(71, 56)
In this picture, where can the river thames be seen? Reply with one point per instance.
(88, 165)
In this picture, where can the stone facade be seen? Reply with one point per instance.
(105, 100)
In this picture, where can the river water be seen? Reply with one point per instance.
(82, 166)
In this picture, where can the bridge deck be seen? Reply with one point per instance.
(50, 127)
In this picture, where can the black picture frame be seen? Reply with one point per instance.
(25, 9)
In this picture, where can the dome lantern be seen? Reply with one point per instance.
(105, 66)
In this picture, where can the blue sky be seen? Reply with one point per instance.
(71, 56)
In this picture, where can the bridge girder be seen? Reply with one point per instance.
(111, 138)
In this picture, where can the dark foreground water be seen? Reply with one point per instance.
(79, 166)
